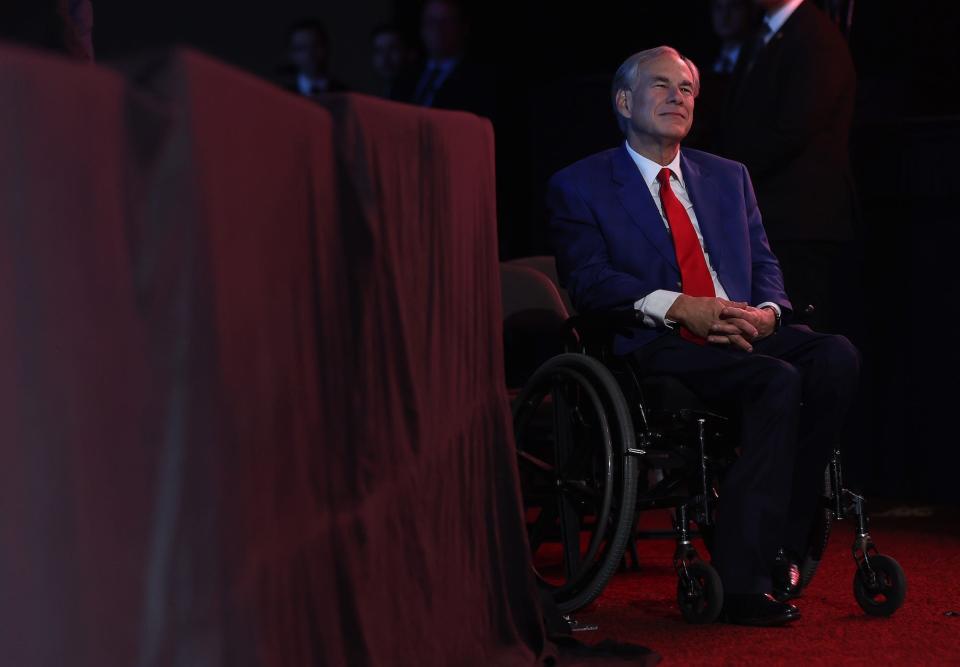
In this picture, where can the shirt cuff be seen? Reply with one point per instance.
(654, 307)
(771, 304)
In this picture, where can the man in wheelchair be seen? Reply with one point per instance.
(676, 235)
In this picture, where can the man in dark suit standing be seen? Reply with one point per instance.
(448, 78)
(306, 70)
(678, 236)
(787, 118)
(65, 26)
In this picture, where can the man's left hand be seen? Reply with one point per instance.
(733, 318)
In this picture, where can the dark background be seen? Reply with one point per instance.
(554, 62)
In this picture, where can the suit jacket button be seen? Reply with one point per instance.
(679, 284)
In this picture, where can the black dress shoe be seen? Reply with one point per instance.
(759, 609)
(786, 577)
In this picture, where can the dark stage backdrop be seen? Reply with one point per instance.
(252, 408)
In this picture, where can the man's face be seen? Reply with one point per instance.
(307, 52)
(388, 54)
(442, 30)
(730, 18)
(660, 107)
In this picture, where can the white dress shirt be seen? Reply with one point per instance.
(311, 86)
(655, 305)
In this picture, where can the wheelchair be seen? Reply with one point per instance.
(598, 443)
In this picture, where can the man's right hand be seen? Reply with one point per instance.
(702, 316)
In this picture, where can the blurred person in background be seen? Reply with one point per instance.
(448, 78)
(787, 117)
(307, 60)
(390, 53)
(64, 26)
(732, 21)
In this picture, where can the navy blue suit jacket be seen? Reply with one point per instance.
(612, 247)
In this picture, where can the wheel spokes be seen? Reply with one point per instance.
(537, 463)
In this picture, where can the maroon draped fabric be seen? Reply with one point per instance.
(252, 407)
(76, 465)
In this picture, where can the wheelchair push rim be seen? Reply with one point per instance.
(574, 470)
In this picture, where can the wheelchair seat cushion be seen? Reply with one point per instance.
(663, 393)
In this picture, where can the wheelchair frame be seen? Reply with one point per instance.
(665, 440)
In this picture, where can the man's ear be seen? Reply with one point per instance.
(624, 103)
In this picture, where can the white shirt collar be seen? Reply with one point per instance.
(650, 169)
(776, 20)
(308, 85)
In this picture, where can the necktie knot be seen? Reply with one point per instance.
(664, 177)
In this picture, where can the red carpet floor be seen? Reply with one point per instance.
(640, 607)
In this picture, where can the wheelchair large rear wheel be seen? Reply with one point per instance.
(573, 429)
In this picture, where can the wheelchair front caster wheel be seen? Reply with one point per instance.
(699, 593)
(880, 587)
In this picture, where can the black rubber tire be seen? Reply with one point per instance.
(889, 592)
(608, 542)
(701, 598)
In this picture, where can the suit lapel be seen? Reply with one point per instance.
(635, 197)
(762, 59)
(705, 196)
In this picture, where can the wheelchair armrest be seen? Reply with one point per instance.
(602, 326)
(606, 321)
(806, 315)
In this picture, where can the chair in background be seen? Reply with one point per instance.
(546, 265)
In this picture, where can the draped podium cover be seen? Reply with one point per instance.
(252, 404)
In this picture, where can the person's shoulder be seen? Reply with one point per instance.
(586, 168)
(809, 36)
(809, 14)
(809, 25)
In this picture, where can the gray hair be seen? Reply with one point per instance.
(628, 73)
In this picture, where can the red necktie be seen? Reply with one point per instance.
(694, 274)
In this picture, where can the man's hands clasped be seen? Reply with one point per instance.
(723, 322)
